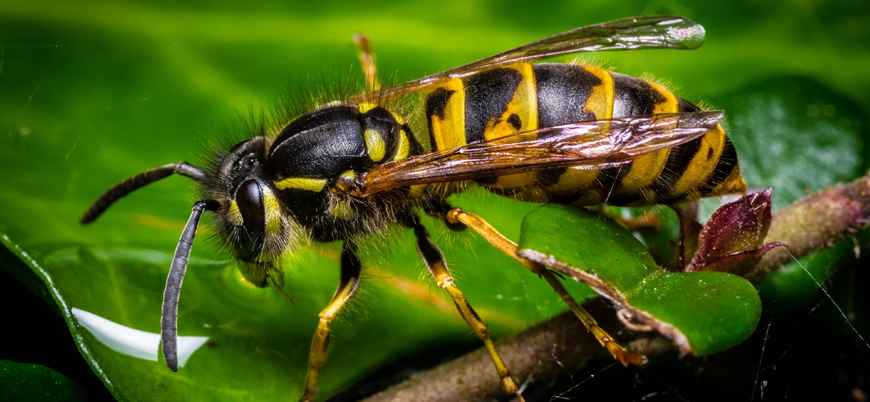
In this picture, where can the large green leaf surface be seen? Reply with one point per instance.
(90, 120)
(255, 341)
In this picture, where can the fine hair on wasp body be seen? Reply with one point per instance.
(336, 167)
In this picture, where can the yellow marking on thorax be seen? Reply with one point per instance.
(375, 145)
(524, 104)
(701, 166)
(647, 168)
(235, 216)
(450, 131)
(272, 209)
(399, 119)
(600, 103)
(301, 183)
(403, 149)
(365, 107)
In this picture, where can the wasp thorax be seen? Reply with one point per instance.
(334, 139)
(315, 159)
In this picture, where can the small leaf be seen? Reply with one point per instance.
(712, 311)
(732, 240)
(701, 312)
(596, 248)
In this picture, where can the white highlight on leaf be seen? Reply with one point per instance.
(133, 342)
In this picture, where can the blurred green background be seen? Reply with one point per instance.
(92, 92)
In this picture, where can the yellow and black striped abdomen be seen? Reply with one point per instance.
(504, 101)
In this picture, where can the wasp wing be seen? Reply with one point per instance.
(592, 145)
(654, 32)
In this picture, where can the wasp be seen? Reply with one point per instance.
(547, 132)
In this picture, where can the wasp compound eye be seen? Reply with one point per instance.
(249, 198)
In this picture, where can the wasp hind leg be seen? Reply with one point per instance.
(350, 274)
(434, 260)
(367, 61)
(649, 220)
(457, 215)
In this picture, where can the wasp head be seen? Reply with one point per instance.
(251, 217)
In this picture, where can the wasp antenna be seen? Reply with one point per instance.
(169, 315)
(138, 181)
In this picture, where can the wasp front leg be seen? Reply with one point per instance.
(350, 274)
(434, 260)
(505, 245)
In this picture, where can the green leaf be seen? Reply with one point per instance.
(714, 311)
(593, 245)
(701, 312)
(34, 382)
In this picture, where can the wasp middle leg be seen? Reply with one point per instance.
(505, 245)
(350, 274)
(434, 260)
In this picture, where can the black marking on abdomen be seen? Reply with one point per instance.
(515, 121)
(487, 95)
(727, 163)
(563, 90)
(436, 102)
(685, 106)
(550, 177)
(678, 160)
(609, 181)
(633, 97)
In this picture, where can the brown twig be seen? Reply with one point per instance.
(815, 222)
(556, 346)
(561, 343)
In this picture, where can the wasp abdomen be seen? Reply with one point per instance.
(523, 97)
